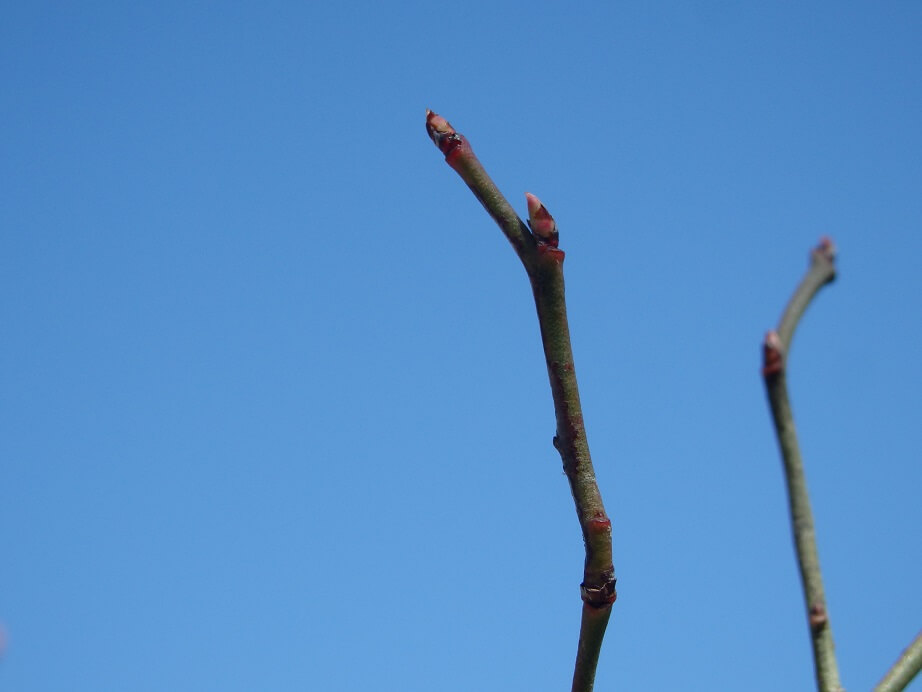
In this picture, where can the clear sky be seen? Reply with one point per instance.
(273, 410)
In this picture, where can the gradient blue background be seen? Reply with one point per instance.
(274, 410)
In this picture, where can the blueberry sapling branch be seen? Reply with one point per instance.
(775, 351)
(536, 246)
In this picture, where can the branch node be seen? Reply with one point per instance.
(600, 523)
(552, 252)
(772, 354)
(818, 617)
(600, 596)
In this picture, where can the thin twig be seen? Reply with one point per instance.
(775, 351)
(902, 672)
(543, 261)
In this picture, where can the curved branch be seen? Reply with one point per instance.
(775, 350)
(821, 272)
(536, 247)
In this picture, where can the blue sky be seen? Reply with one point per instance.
(274, 410)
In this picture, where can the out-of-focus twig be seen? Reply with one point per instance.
(775, 354)
(902, 672)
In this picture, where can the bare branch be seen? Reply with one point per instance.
(775, 350)
(537, 249)
(902, 672)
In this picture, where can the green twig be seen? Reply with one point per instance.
(907, 666)
(776, 348)
(536, 246)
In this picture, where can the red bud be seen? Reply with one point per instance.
(541, 222)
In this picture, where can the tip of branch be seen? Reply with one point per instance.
(436, 125)
(825, 251)
(541, 222)
(772, 357)
(442, 133)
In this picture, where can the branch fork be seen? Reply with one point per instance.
(536, 244)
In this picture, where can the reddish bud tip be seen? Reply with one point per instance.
(541, 222)
(442, 133)
(826, 250)
(772, 358)
(436, 125)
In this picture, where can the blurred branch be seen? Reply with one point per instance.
(775, 352)
(902, 672)
(536, 246)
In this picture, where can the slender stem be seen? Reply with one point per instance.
(591, 633)
(776, 347)
(821, 272)
(543, 262)
(460, 156)
(907, 666)
(598, 587)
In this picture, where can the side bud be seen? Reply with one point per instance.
(541, 222)
(772, 356)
